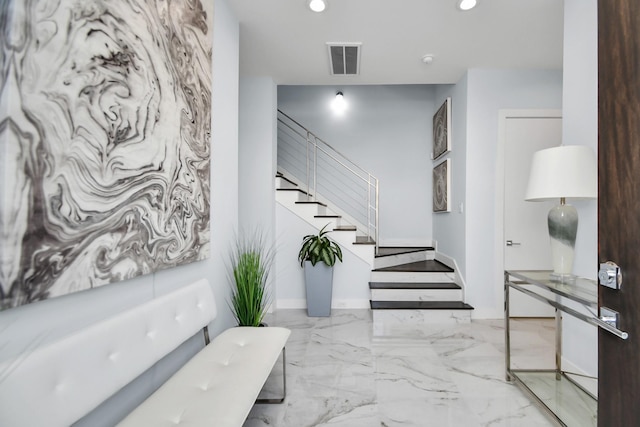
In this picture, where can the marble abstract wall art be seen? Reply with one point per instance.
(105, 112)
(441, 185)
(441, 130)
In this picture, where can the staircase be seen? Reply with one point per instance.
(318, 214)
(409, 286)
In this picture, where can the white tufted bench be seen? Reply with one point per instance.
(59, 383)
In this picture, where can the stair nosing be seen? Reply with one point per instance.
(353, 228)
(414, 285)
(421, 305)
(310, 203)
(279, 175)
(411, 251)
(292, 189)
(394, 268)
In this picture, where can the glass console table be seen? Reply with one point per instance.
(565, 400)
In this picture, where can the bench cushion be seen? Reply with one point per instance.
(219, 385)
(57, 384)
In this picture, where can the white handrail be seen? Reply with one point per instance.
(315, 146)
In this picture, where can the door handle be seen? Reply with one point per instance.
(512, 243)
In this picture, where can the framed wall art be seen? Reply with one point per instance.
(107, 143)
(441, 185)
(442, 130)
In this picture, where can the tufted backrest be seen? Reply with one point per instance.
(59, 383)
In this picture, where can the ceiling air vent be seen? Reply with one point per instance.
(344, 58)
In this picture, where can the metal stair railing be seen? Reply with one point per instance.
(329, 174)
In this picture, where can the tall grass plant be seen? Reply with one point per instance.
(250, 264)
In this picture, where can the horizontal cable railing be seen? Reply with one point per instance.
(328, 175)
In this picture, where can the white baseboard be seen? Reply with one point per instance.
(351, 304)
(402, 243)
(486, 313)
(289, 304)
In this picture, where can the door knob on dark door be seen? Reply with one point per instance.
(610, 275)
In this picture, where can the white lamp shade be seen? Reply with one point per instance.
(567, 171)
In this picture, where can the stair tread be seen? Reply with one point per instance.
(412, 285)
(364, 240)
(345, 228)
(292, 189)
(420, 305)
(281, 176)
(397, 250)
(310, 203)
(427, 266)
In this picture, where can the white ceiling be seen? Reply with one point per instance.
(285, 40)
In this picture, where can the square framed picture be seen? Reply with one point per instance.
(442, 130)
(441, 186)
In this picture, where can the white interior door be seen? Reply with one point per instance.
(526, 245)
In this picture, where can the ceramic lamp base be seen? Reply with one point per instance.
(563, 228)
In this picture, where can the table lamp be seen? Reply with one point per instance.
(564, 172)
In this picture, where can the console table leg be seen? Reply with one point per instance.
(558, 344)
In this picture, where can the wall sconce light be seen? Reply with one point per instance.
(317, 5)
(339, 105)
(568, 171)
(465, 5)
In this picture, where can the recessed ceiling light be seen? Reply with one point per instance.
(467, 4)
(317, 5)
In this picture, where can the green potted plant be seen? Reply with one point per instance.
(318, 255)
(250, 263)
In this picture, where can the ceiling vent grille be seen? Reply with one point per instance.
(344, 58)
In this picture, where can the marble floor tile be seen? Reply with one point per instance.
(339, 373)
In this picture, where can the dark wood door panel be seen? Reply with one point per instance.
(619, 206)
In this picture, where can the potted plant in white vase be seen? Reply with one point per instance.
(318, 255)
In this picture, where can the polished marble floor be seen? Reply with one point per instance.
(339, 374)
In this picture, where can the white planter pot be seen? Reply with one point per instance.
(318, 281)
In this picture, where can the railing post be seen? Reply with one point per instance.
(308, 165)
(369, 205)
(314, 145)
(377, 217)
(315, 167)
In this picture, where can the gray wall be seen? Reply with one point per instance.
(449, 229)
(387, 131)
(580, 127)
(488, 92)
(43, 321)
(257, 143)
(257, 153)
